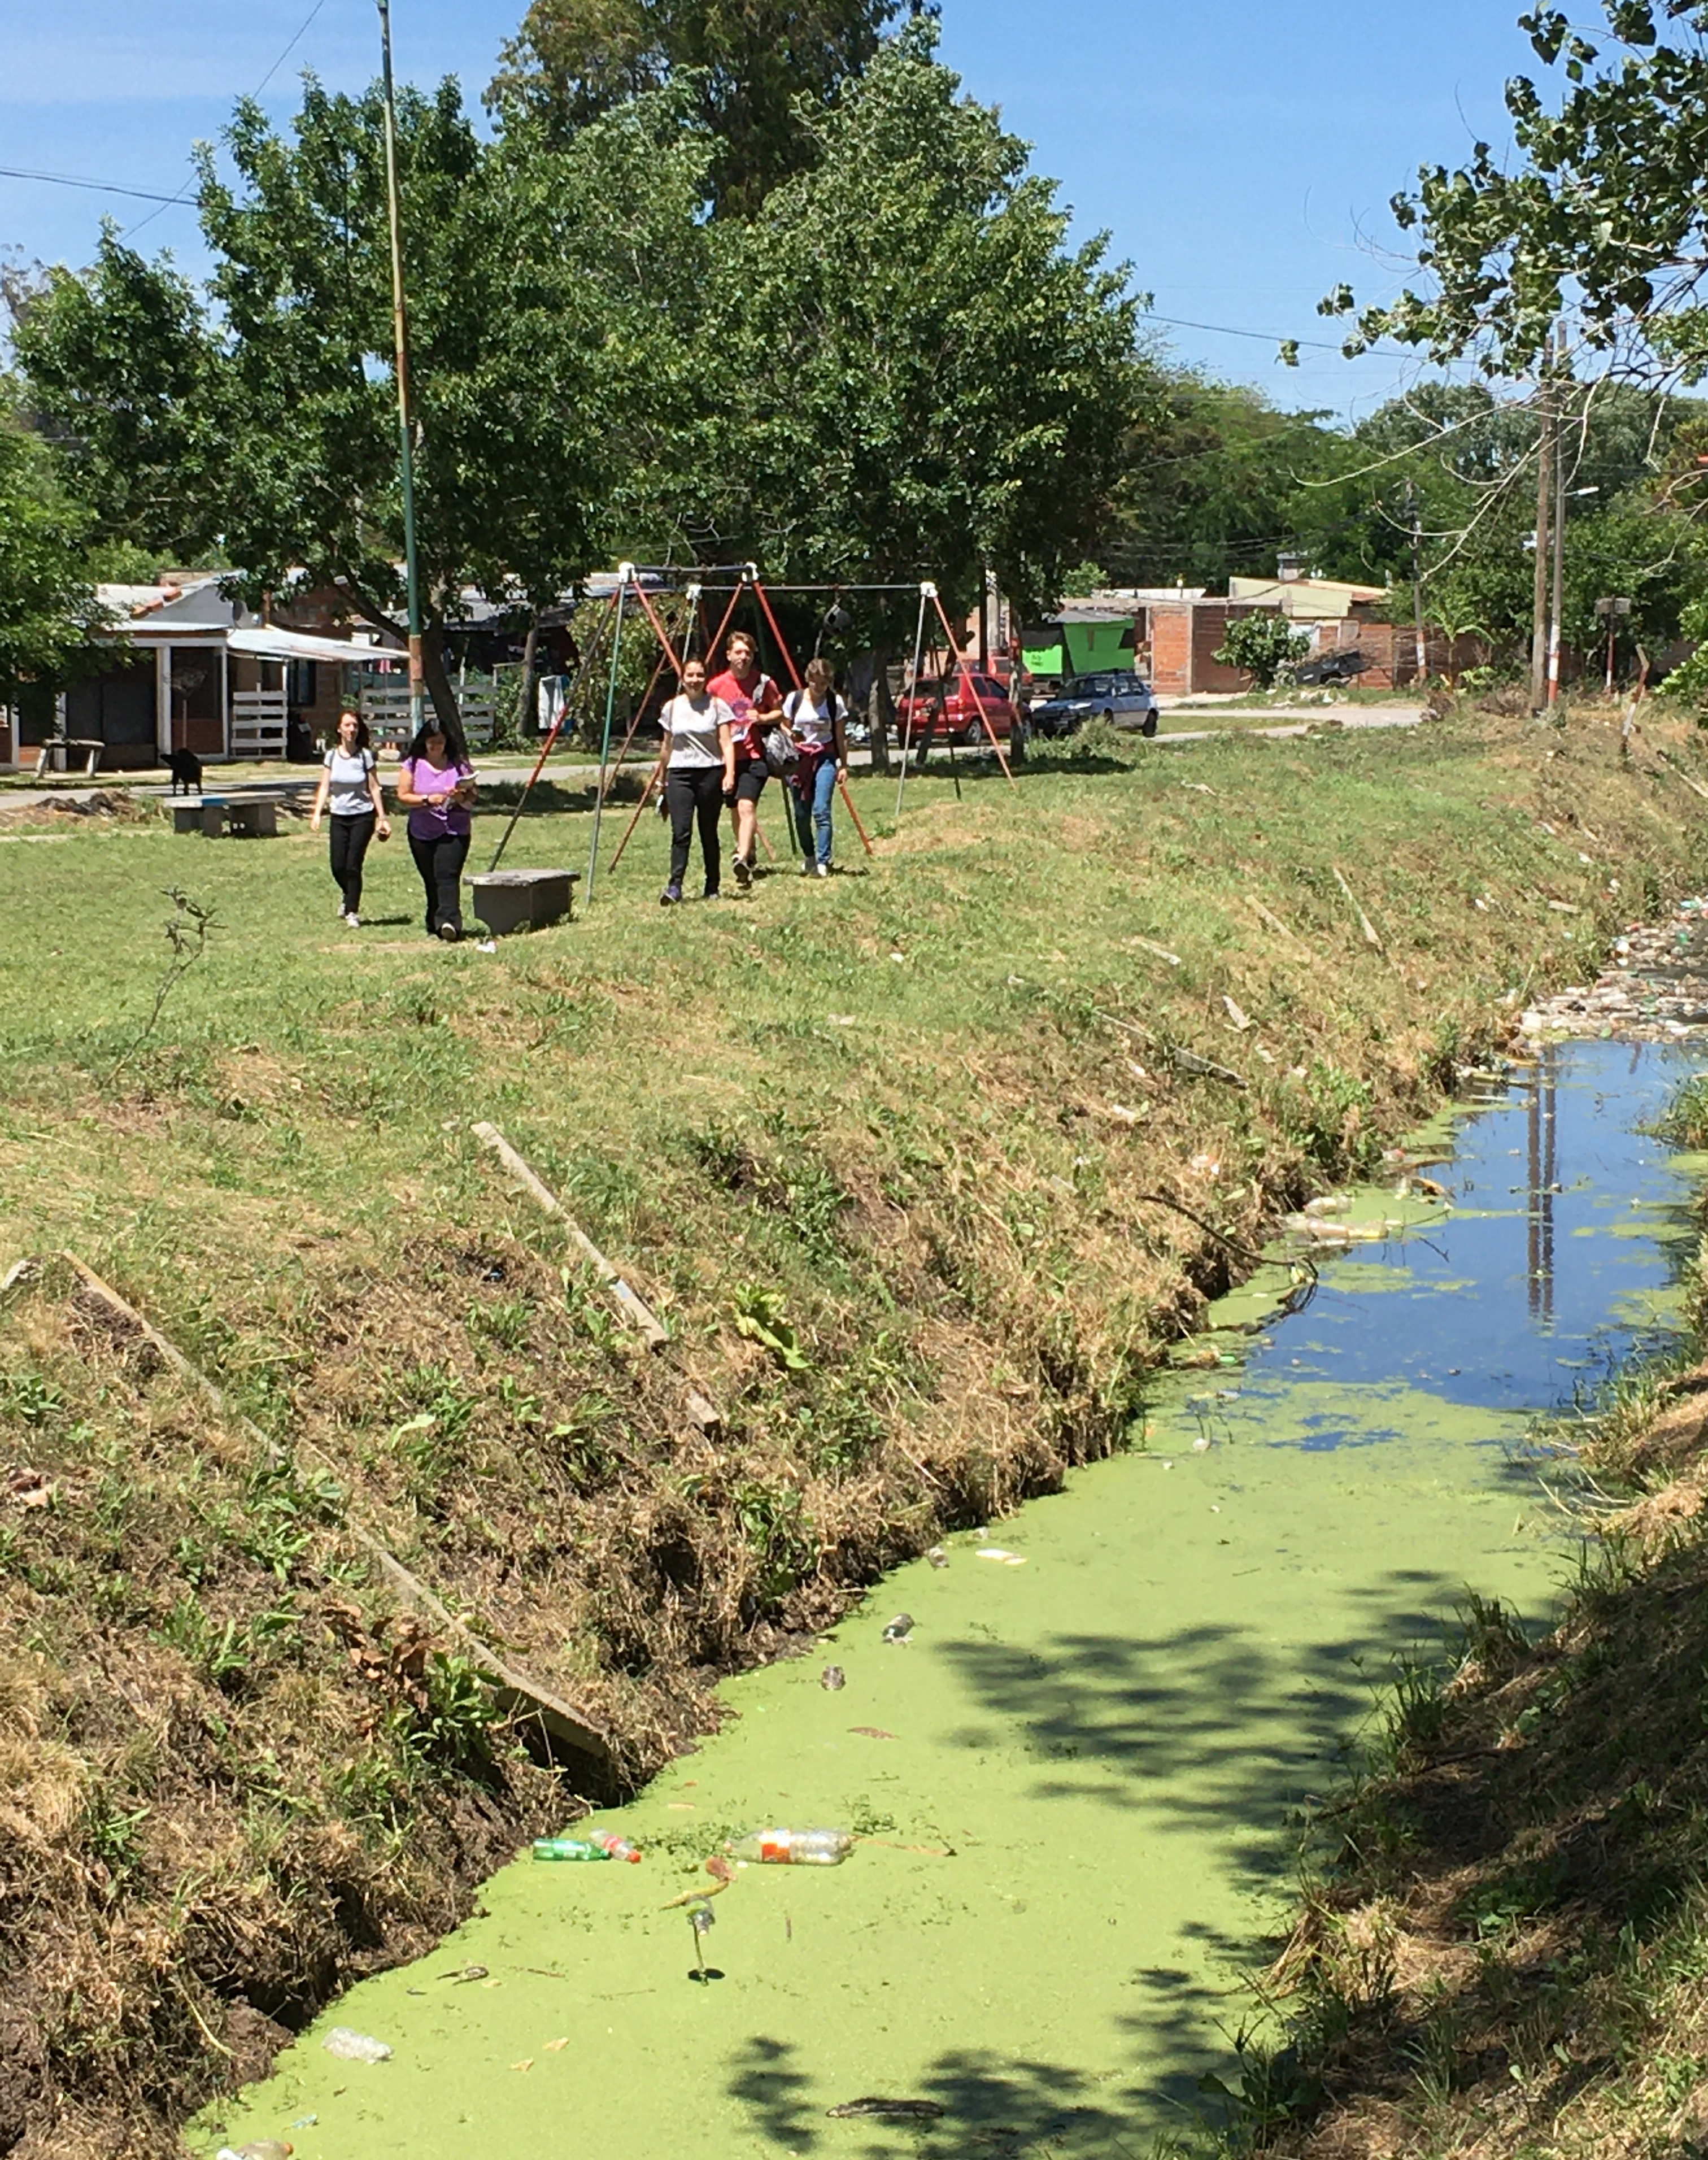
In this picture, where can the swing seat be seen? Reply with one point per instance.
(523, 900)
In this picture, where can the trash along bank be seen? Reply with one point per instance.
(922, 1171)
(1053, 1773)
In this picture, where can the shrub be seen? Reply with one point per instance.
(1262, 645)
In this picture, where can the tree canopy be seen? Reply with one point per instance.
(917, 373)
(1602, 214)
(745, 66)
(47, 600)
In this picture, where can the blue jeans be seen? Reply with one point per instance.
(811, 793)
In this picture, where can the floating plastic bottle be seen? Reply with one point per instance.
(795, 1848)
(351, 2047)
(572, 1848)
(262, 2148)
(617, 1848)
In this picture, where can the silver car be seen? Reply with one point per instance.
(1123, 698)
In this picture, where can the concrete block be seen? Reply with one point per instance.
(522, 899)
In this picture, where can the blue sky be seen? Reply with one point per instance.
(1240, 153)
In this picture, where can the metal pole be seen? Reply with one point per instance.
(927, 592)
(1558, 606)
(1417, 605)
(1539, 620)
(406, 423)
(605, 747)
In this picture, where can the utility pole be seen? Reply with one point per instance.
(1417, 606)
(1544, 481)
(406, 426)
(1559, 604)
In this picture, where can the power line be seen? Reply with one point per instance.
(301, 34)
(98, 187)
(1264, 337)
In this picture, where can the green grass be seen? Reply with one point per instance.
(873, 1148)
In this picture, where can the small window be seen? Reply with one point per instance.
(302, 683)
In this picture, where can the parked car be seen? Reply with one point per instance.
(1124, 699)
(946, 708)
(1331, 667)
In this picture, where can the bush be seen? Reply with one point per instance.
(1262, 645)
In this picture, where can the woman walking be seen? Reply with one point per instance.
(754, 703)
(696, 770)
(436, 786)
(349, 787)
(817, 719)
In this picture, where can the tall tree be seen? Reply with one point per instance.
(47, 611)
(746, 65)
(549, 289)
(919, 377)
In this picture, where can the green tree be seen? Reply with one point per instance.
(1601, 216)
(47, 611)
(550, 290)
(119, 364)
(1262, 645)
(1215, 484)
(920, 377)
(746, 65)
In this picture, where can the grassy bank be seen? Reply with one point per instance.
(914, 1164)
(1505, 1952)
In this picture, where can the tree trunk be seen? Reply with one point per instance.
(438, 681)
(881, 708)
(525, 701)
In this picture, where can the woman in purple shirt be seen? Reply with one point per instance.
(436, 786)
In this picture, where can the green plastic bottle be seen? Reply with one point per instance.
(568, 1848)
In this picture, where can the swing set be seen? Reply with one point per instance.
(676, 604)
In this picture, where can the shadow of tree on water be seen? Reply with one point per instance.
(992, 2107)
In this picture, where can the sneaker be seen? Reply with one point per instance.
(354, 920)
(806, 865)
(670, 895)
(711, 892)
(744, 872)
(450, 933)
(821, 870)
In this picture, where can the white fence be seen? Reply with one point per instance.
(259, 720)
(385, 706)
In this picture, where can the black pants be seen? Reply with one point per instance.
(349, 843)
(440, 863)
(691, 792)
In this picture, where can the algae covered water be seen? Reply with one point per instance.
(1077, 1780)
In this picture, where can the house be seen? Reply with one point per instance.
(190, 668)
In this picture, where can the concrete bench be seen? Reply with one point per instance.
(63, 745)
(523, 900)
(244, 817)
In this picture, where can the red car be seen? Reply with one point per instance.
(945, 708)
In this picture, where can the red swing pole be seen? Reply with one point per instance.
(795, 676)
(967, 677)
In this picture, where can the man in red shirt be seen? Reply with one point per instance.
(757, 704)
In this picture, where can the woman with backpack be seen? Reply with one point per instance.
(816, 720)
(436, 786)
(349, 787)
(696, 777)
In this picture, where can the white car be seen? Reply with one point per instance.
(1123, 698)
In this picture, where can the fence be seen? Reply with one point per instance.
(384, 704)
(259, 720)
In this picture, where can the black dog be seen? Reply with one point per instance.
(186, 771)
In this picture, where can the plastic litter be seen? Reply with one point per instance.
(938, 1556)
(794, 1848)
(832, 1678)
(352, 2047)
(899, 1628)
(570, 1848)
(618, 1848)
(997, 1552)
(262, 2148)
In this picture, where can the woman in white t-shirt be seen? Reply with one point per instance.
(818, 720)
(349, 785)
(697, 769)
